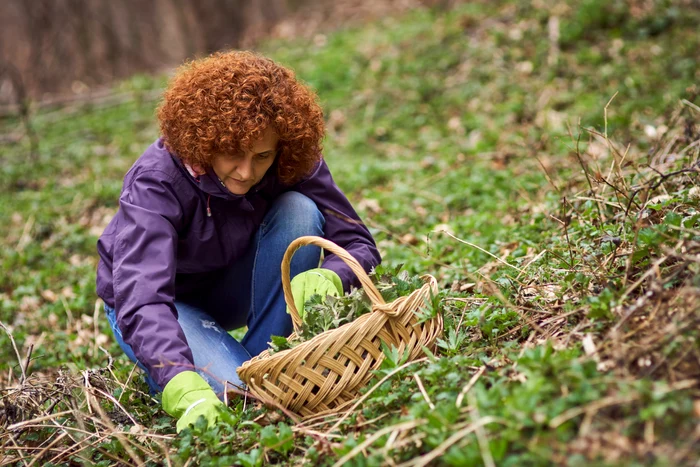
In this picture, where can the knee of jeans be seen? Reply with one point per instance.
(299, 214)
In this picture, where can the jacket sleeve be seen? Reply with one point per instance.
(343, 225)
(144, 269)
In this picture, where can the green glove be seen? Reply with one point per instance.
(314, 281)
(187, 396)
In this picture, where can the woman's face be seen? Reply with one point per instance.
(240, 172)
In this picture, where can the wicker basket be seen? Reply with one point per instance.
(328, 371)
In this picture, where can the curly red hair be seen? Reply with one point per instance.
(222, 103)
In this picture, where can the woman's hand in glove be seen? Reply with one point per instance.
(314, 281)
(187, 396)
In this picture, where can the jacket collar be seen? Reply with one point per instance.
(210, 184)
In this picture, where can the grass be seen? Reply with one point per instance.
(550, 186)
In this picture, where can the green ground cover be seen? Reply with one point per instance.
(541, 162)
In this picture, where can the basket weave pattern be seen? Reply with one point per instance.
(328, 371)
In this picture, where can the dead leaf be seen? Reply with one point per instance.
(588, 345)
(409, 239)
(49, 295)
(369, 204)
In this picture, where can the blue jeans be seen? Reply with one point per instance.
(248, 293)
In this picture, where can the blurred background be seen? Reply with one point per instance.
(56, 50)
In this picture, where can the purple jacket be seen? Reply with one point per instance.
(161, 243)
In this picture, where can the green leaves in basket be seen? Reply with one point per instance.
(324, 313)
(393, 283)
(279, 343)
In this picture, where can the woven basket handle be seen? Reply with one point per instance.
(372, 292)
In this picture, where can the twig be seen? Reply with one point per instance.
(422, 390)
(25, 237)
(690, 104)
(14, 346)
(38, 456)
(316, 434)
(445, 445)
(115, 402)
(547, 176)
(605, 113)
(481, 438)
(23, 424)
(480, 249)
(566, 233)
(28, 360)
(360, 447)
(110, 365)
(468, 386)
(71, 450)
(404, 442)
(539, 255)
(568, 241)
(598, 200)
(689, 147)
(122, 440)
(584, 167)
(693, 168)
(96, 328)
(69, 313)
(128, 380)
(554, 34)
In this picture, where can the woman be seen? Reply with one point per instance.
(205, 216)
